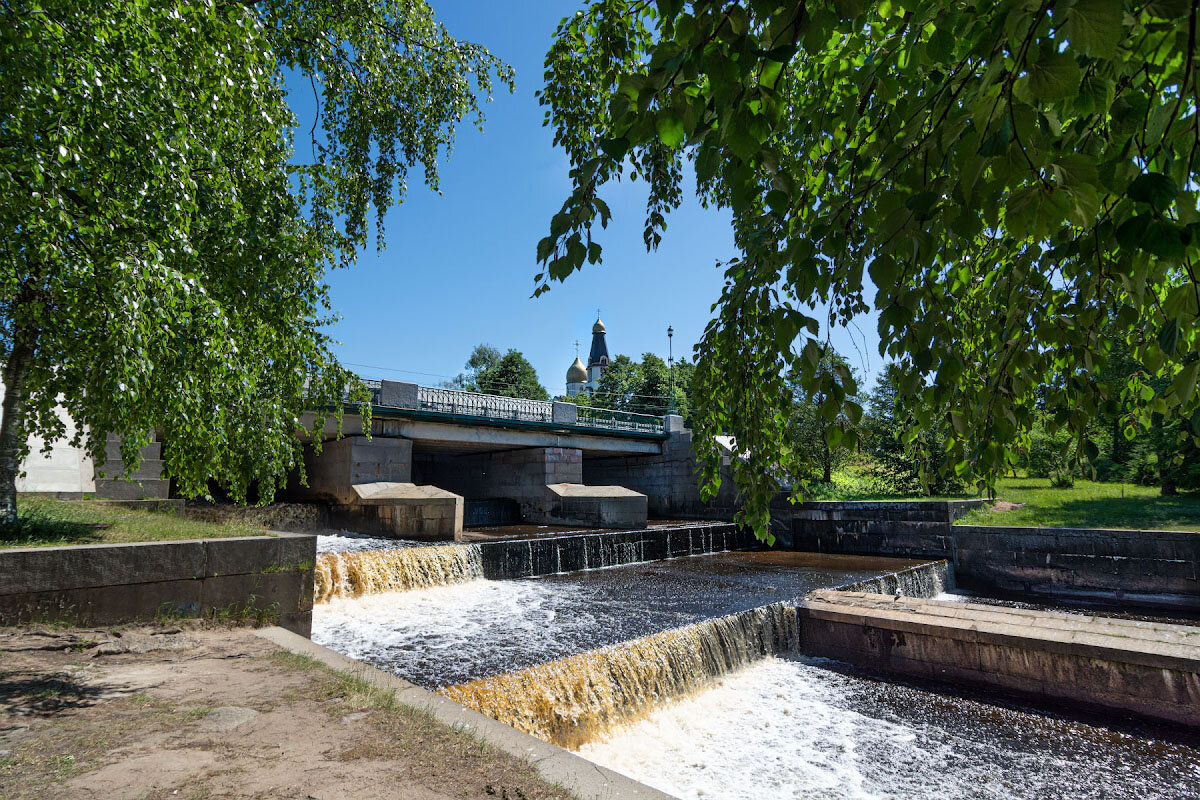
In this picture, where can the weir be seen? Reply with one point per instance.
(573, 700)
(923, 580)
(354, 574)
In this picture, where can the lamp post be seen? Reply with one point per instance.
(671, 369)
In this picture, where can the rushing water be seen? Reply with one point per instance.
(452, 634)
(355, 573)
(783, 729)
(575, 699)
(349, 542)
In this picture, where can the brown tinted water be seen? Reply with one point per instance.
(451, 634)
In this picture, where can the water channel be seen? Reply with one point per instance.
(682, 674)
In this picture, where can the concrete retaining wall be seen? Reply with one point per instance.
(1152, 670)
(669, 480)
(1150, 568)
(1127, 567)
(115, 583)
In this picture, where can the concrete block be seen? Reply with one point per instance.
(398, 394)
(39, 569)
(564, 413)
(132, 490)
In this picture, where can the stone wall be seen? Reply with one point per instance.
(401, 510)
(1148, 568)
(546, 482)
(115, 583)
(342, 463)
(670, 481)
(1145, 568)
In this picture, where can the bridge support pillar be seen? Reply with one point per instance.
(547, 483)
(342, 463)
(368, 483)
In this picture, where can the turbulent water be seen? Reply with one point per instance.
(454, 633)
(348, 542)
(352, 574)
(922, 581)
(783, 729)
(573, 700)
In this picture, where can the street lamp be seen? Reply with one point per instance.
(671, 369)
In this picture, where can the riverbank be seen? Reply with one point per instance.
(190, 712)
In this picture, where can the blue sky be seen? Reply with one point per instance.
(459, 267)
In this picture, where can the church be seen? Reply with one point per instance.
(587, 379)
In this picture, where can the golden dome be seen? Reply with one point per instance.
(577, 372)
(598, 327)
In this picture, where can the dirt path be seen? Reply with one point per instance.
(158, 713)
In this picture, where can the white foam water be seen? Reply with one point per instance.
(351, 542)
(449, 634)
(784, 729)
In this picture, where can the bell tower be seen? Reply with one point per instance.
(598, 356)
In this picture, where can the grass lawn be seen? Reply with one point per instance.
(45, 522)
(1088, 505)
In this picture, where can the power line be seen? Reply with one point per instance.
(494, 383)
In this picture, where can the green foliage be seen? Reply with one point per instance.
(508, 375)
(1013, 177)
(903, 464)
(164, 249)
(1048, 454)
(645, 387)
(823, 433)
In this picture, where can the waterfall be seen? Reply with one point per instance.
(923, 580)
(394, 569)
(573, 700)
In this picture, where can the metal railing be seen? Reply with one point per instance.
(452, 401)
(475, 404)
(619, 420)
(374, 387)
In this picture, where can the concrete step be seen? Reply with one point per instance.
(132, 490)
(1151, 669)
(149, 469)
(112, 450)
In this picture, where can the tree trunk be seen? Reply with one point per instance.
(12, 428)
(828, 465)
(1169, 489)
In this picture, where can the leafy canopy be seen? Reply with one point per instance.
(507, 375)
(163, 247)
(1012, 177)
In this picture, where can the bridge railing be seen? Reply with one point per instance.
(472, 404)
(475, 404)
(374, 387)
(618, 420)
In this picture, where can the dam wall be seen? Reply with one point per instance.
(1149, 669)
(527, 558)
(1154, 569)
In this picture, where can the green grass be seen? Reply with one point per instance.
(46, 522)
(1089, 505)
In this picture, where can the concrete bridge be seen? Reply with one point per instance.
(435, 454)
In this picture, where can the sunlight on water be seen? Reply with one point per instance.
(576, 699)
(448, 634)
(351, 574)
(783, 729)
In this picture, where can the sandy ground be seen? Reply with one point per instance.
(194, 713)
